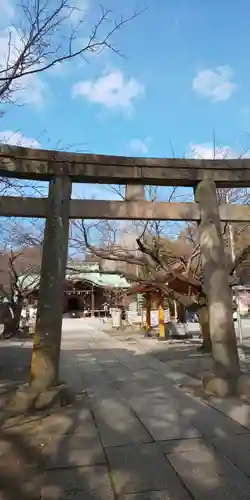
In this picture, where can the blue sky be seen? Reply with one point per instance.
(185, 77)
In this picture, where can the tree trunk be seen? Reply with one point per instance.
(47, 338)
(216, 286)
(11, 319)
(17, 308)
(203, 316)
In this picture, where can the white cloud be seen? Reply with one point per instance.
(215, 84)
(77, 10)
(139, 145)
(31, 90)
(58, 69)
(7, 9)
(112, 90)
(18, 139)
(207, 151)
(28, 89)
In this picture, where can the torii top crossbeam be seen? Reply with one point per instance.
(42, 164)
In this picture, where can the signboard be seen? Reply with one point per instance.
(143, 316)
(154, 318)
(166, 316)
(116, 319)
(133, 306)
(133, 317)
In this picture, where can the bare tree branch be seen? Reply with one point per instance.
(47, 37)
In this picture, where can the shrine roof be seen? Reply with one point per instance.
(30, 281)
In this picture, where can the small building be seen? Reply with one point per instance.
(87, 289)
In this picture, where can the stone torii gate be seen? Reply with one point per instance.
(61, 169)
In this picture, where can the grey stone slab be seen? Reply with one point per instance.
(88, 483)
(123, 356)
(135, 365)
(117, 424)
(110, 363)
(236, 449)
(77, 450)
(95, 380)
(56, 493)
(182, 445)
(207, 475)
(106, 357)
(157, 495)
(91, 368)
(147, 393)
(211, 422)
(164, 420)
(105, 391)
(233, 408)
(119, 374)
(168, 425)
(142, 468)
(145, 374)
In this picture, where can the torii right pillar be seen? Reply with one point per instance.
(225, 378)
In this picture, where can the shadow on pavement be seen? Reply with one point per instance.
(132, 435)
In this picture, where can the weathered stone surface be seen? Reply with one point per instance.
(162, 415)
(210, 422)
(208, 475)
(119, 374)
(138, 471)
(92, 482)
(236, 449)
(142, 468)
(117, 424)
(44, 370)
(158, 495)
(39, 165)
(165, 424)
(183, 445)
(77, 450)
(95, 380)
(233, 408)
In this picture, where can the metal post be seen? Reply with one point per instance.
(239, 318)
(148, 319)
(161, 322)
(92, 303)
(232, 246)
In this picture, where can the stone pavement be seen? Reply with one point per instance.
(180, 355)
(134, 434)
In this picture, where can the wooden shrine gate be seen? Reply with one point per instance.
(61, 169)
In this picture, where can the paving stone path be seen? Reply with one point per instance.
(134, 434)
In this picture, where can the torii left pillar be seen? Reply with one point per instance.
(47, 340)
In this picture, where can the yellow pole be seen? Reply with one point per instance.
(161, 321)
(148, 319)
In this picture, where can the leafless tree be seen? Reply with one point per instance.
(51, 33)
(19, 277)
